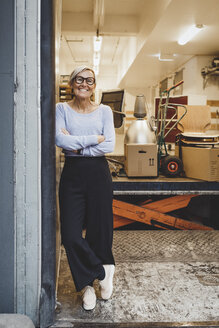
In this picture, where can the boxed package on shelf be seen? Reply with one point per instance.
(199, 146)
(200, 162)
(141, 160)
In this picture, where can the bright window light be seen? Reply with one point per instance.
(190, 34)
(97, 43)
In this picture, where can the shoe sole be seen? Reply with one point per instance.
(89, 308)
(106, 298)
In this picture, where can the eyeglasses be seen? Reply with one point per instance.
(81, 79)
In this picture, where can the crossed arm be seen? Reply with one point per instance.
(89, 145)
(100, 138)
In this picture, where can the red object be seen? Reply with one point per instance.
(170, 112)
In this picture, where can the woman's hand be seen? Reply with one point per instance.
(100, 138)
(65, 131)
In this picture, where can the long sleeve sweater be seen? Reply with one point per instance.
(83, 130)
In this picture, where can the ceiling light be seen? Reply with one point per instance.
(98, 13)
(96, 59)
(97, 43)
(190, 33)
(96, 70)
(166, 57)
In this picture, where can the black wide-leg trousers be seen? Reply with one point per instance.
(85, 197)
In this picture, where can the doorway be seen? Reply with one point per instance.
(161, 256)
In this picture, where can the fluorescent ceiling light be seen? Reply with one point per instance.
(190, 34)
(96, 59)
(97, 43)
(96, 70)
(166, 57)
(98, 13)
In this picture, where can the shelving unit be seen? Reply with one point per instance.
(65, 91)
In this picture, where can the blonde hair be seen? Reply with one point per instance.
(78, 70)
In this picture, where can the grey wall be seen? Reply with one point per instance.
(27, 159)
(6, 158)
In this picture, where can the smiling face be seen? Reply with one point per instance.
(83, 89)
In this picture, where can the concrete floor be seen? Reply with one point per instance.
(162, 279)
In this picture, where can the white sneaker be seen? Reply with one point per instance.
(89, 298)
(106, 284)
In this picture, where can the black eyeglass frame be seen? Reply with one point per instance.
(84, 79)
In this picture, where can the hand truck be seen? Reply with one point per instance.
(169, 165)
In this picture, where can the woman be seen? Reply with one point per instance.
(85, 131)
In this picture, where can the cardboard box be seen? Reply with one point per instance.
(141, 160)
(200, 162)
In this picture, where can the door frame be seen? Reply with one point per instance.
(48, 163)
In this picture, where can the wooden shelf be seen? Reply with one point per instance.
(65, 93)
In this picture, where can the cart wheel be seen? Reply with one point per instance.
(171, 166)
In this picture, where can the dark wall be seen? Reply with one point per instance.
(6, 158)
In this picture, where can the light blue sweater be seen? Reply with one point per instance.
(84, 129)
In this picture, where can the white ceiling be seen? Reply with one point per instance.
(112, 7)
(155, 25)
